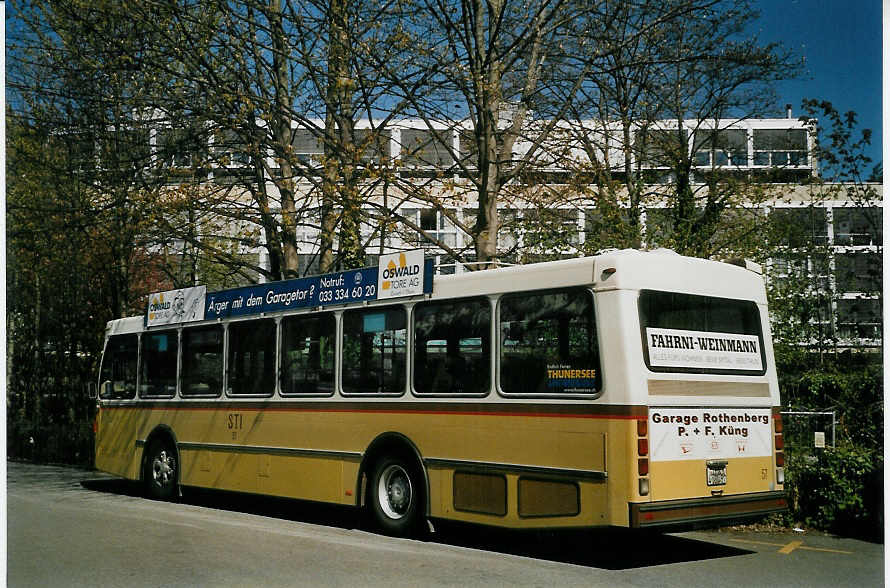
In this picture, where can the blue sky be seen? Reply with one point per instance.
(841, 44)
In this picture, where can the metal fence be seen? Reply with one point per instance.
(807, 431)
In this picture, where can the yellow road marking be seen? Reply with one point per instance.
(791, 547)
(757, 542)
(825, 549)
(786, 548)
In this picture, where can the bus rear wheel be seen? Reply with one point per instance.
(396, 497)
(161, 470)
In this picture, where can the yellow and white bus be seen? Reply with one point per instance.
(631, 389)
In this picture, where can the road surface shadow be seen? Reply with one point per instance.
(114, 486)
(611, 549)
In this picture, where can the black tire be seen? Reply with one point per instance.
(396, 497)
(161, 470)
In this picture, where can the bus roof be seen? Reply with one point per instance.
(626, 269)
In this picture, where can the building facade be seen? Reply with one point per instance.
(418, 191)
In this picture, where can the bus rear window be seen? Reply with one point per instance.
(700, 334)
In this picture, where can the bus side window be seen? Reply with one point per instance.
(548, 343)
(202, 355)
(374, 349)
(158, 367)
(451, 347)
(119, 368)
(307, 354)
(251, 367)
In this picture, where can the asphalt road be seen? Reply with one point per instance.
(70, 527)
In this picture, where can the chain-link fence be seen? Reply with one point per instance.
(805, 432)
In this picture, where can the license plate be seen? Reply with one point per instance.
(716, 473)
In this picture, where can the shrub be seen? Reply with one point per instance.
(839, 490)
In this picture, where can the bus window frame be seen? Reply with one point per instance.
(336, 315)
(226, 368)
(701, 371)
(180, 387)
(492, 327)
(601, 380)
(341, 348)
(141, 359)
(137, 379)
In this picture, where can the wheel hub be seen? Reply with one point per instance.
(163, 468)
(394, 492)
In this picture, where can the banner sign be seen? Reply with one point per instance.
(400, 274)
(175, 306)
(337, 288)
(675, 348)
(709, 433)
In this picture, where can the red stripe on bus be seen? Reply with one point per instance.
(618, 412)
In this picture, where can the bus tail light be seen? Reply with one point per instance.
(780, 447)
(643, 456)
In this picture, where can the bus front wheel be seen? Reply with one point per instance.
(161, 470)
(395, 497)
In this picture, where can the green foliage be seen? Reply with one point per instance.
(839, 490)
(62, 443)
(854, 391)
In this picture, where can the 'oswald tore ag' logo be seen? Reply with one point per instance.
(157, 304)
(392, 272)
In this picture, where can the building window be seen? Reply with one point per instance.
(545, 228)
(780, 147)
(178, 148)
(428, 219)
(859, 318)
(799, 227)
(229, 150)
(721, 147)
(372, 145)
(858, 226)
(308, 148)
(425, 148)
(858, 272)
(661, 148)
(469, 148)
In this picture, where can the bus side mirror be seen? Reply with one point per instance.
(92, 391)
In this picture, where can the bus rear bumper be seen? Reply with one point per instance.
(706, 512)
